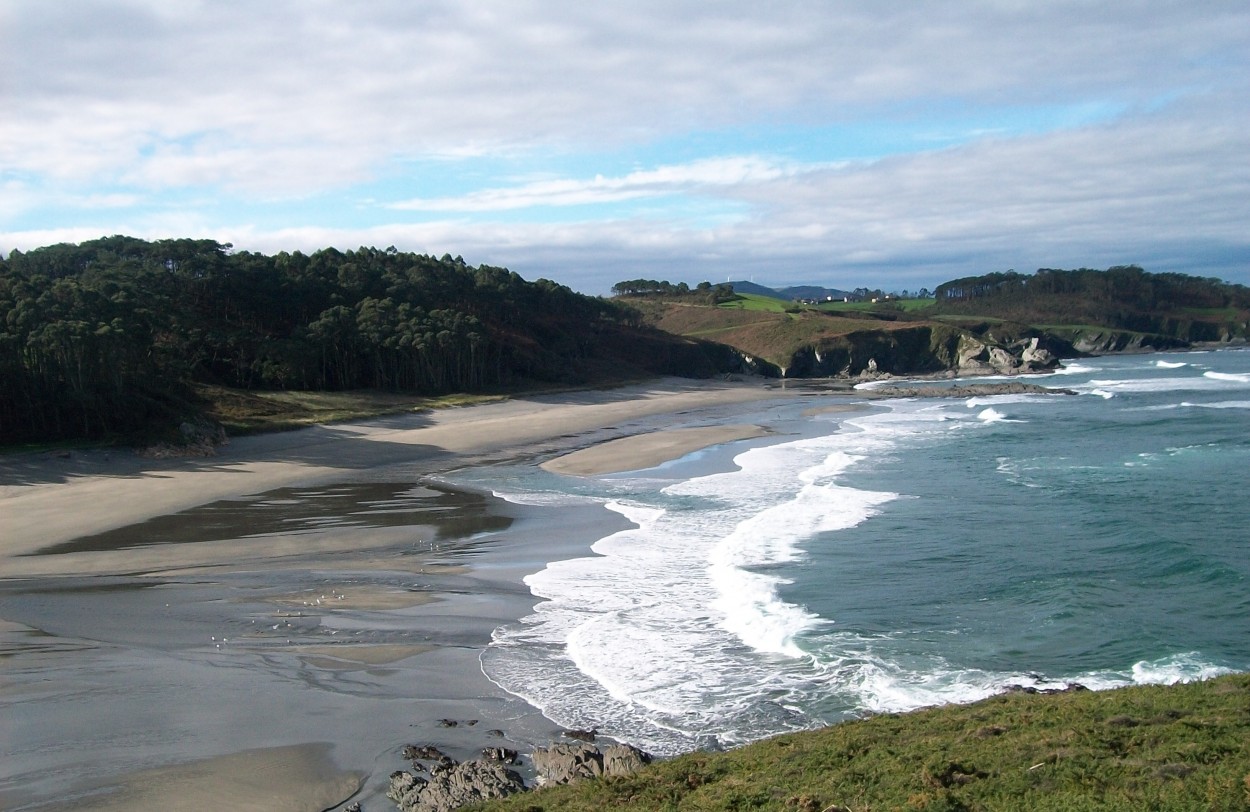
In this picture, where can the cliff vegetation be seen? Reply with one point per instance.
(1181, 747)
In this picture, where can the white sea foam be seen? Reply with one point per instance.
(882, 682)
(545, 498)
(1183, 383)
(1075, 369)
(793, 499)
(748, 601)
(1188, 667)
(1170, 364)
(877, 678)
(992, 415)
(1229, 377)
(676, 626)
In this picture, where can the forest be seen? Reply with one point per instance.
(1125, 297)
(107, 338)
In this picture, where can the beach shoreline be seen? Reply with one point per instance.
(374, 577)
(42, 495)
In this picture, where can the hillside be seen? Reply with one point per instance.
(1181, 747)
(977, 324)
(811, 342)
(120, 337)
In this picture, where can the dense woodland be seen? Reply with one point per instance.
(1125, 297)
(107, 338)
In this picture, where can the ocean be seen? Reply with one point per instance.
(913, 553)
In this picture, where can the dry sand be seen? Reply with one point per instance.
(50, 500)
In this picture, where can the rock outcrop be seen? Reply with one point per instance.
(926, 350)
(567, 763)
(451, 787)
(977, 357)
(975, 390)
(1099, 342)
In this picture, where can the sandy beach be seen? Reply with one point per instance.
(129, 581)
(47, 500)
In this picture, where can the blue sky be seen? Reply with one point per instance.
(845, 144)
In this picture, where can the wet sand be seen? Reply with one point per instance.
(171, 628)
(280, 779)
(647, 450)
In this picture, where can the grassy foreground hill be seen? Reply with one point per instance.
(1181, 747)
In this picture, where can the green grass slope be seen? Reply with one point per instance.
(1183, 747)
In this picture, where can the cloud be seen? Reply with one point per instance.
(689, 178)
(314, 86)
(148, 115)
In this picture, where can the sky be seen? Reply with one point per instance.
(888, 144)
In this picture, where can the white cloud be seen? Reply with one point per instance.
(118, 101)
(692, 177)
(358, 83)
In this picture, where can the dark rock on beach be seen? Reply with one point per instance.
(500, 754)
(566, 763)
(427, 752)
(465, 783)
(451, 785)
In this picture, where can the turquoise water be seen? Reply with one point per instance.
(915, 553)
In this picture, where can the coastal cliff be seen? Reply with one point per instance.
(923, 349)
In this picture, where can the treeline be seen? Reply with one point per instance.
(704, 292)
(107, 337)
(1190, 308)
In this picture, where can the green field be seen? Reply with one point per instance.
(893, 305)
(754, 301)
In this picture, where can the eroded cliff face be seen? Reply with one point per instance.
(924, 350)
(1098, 342)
